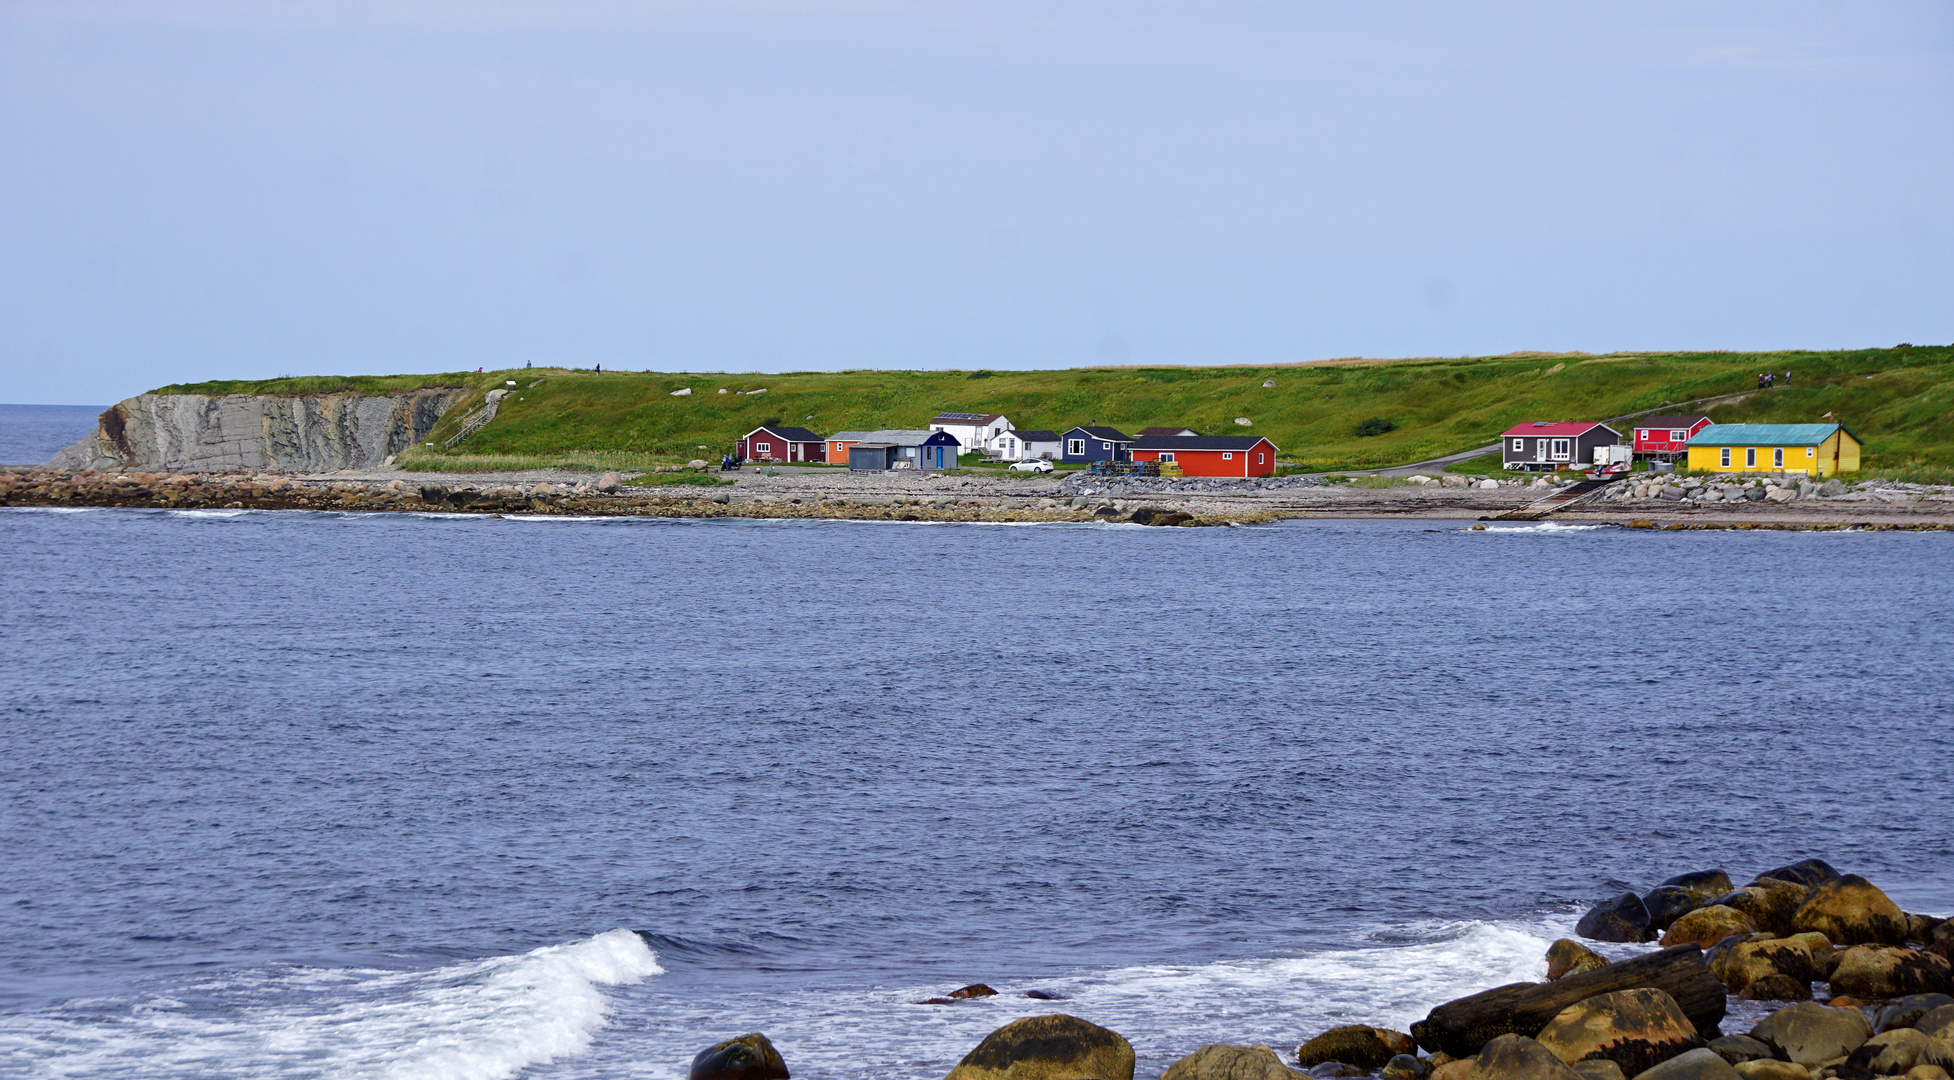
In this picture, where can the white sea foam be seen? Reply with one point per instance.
(472, 1021)
(1549, 527)
(1165, 1010)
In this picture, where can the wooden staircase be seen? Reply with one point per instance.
(475, 421)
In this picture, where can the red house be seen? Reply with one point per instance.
(1666, 434)
(1209, 455)
(776, 443)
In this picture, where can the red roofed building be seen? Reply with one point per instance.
(1546, 445)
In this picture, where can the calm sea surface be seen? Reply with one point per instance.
(31, 434)
(315, 795)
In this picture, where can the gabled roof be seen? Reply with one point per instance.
(1105, 433)
(1147, 431)
(791, 434)
(1564, 430)
(975, 419)
(849, 436)
(1674, 422)
(902, 436)
(1198, 442)
(1768, 434)
(1035, 436)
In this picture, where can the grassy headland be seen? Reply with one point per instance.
(1896, 400)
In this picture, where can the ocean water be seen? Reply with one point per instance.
(31, 434)
(319, 795)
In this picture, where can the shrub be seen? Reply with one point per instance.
(1376, 425)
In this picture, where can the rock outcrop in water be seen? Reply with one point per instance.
(297, 433)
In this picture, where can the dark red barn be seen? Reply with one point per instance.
(777, 443)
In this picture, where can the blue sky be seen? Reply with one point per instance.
(218, 189)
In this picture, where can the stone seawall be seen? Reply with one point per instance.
(296, 433)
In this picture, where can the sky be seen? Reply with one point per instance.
(200, 189)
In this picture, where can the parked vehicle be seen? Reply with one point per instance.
(1034, 465)
(1612, 460)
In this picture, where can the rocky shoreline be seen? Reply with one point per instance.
(833, 494)
(1887, 1009)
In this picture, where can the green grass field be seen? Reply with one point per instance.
(1896, 399)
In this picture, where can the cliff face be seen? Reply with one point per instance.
(299, 433)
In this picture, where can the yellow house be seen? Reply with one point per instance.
(1813, 449)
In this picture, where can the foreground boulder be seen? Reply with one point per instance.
(1570, 957)
(1624, 918)
(1509, 1057)
(1909, 1011)
(1938, 1022)
(749, 1057)
(1708, 925)
(1055, 1047)
(1699, 1064)
(1888, 971)
(1636, 1029)
(1890, 1054)
(1811, 1034)
(1462, 1027)
(1366, 1047)
(1219, 1062)
(1772, 969)
(1850, 910)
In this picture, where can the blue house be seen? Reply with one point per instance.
(1095, 444)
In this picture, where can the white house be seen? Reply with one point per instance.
(974, 431)
(1024, 445)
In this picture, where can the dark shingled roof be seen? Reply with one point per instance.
(1106, 433)
(1198, 442)
(1036, 436)
(1680, 423)
(791, 434)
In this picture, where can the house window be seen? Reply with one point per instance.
(1777, 458)
(1678, 436)
(1811, 451)
(1750, 457)
(1560, 450)
(1227, 456)
(1726, 457)
(1105, 446)
(1075, 447)
(1519, 446)
(1168, 456)
(1258, 459)
(763, 448)
(1642, 433)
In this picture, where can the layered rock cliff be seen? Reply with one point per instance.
(296, 433)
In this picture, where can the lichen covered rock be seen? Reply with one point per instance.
(1054, 1047)
(1635, 1029)
(1222, 1062)
(1355, 1044)
(1849, 910)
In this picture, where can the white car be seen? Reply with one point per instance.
(1039, 465)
